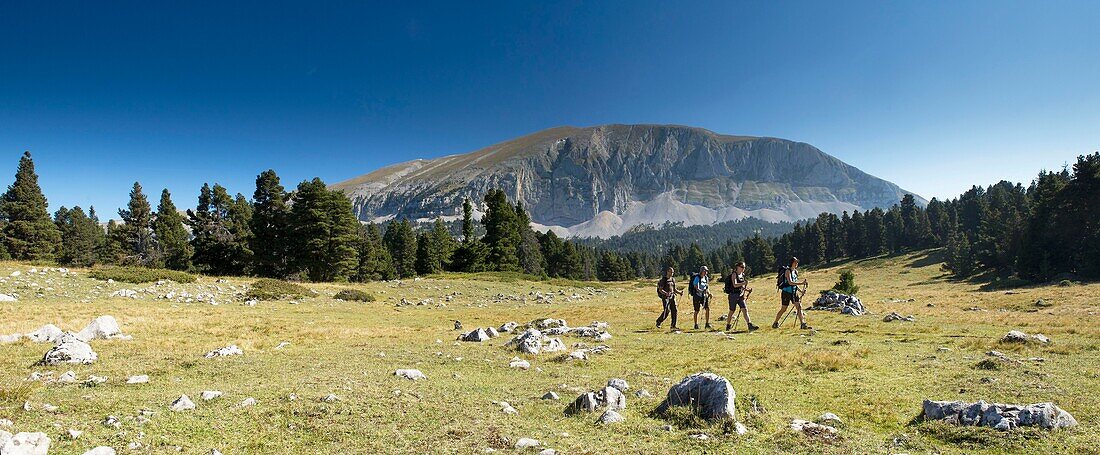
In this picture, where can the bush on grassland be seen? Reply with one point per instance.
(269, 289)
(354, 295)
(138, 275)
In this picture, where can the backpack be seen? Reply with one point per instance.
(659, 283)
(728, 288)
(693, 285)
(781, 278)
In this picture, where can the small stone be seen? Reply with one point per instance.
(208, 395)
(410, 374)
(247, 402)
(73, 433)
(139, 379)
(551, 396)
(101, 450)
(183, 403)
(519, 363)
(330, 398)
(829, 417)
(527, 443)
(617, 383)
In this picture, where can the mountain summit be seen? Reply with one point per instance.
(600, 181)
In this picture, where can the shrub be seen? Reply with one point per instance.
(355, 295)
(138, 275)
(847, 283)
(269, 289)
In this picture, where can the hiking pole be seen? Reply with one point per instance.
(734, 321)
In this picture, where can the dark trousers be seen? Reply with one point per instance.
(670, 309)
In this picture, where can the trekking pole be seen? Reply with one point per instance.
(736, 314)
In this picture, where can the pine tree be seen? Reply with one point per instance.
(220, 234)
(29, 233)
(470, 255)
(171, 234)
(759, 258)
(375, 262)
(400, 239)
(80, 237)
(325, 233)
(694, 259)
(110, 251)
(139, 246)
(960, 259)
(270, 227)
(529, 252)
(501, 233)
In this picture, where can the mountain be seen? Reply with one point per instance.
(600, 181)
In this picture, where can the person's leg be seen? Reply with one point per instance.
(745, 312)
(706, 310)
(672, 309)
(664, 312)
(696, 303)
(730, 315)
(782, 309)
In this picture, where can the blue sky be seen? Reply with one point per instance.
(934, 96)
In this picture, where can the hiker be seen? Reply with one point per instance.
(737, 287)
(698, 287)
(788, 284)
(666, 290)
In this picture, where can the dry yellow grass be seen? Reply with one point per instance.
(871, 373)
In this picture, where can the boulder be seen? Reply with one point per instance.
(998, 416)
(835, 301)
(69, 349)
(508, 327)
(528, 342)
(553, 345)
(710, 396)
(410, 374)
(102, 328)
(48, 333)
(610, 416)
(25, 444)
(492, 332)
(608, 397)
(617, 383)
(477, 335)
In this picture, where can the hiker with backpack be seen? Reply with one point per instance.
(738, 290)
(787, 282)
(666, 290)
(698, 287)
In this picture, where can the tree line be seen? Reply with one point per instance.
(1036, 233)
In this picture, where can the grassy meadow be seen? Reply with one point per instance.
(871, 373)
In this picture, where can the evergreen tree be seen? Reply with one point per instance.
(171, 234)
(80, 237)
(613, 267)
(139, 246)
(220, 234)
(270, 242)
(915, 226)
(110, 250)
(325, 233)
(400, 239)
(1044, 245)
(375, 262)
(694, 259)
(29, 233)
(427, 258)
(529, 252)
(501, 233)
(759, 258)
(960, 259)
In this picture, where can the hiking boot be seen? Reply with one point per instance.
(696, 326)
(806, 327)
(708, 327)
(775, 325)
(752, 327)
(727, 327)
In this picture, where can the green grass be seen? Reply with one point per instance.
(870, 373)
(139, 275)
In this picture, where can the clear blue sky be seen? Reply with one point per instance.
(934, 96)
